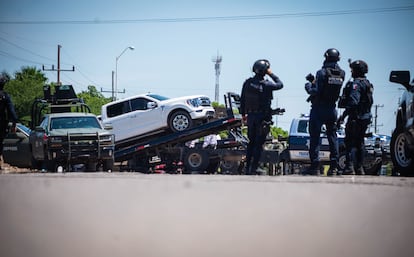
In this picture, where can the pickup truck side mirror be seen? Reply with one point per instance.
(151, 105)
(108, 126)
(401, 77)
(39, 129)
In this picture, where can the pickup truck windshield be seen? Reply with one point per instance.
(158, 97)
(74, 122)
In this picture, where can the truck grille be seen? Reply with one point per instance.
(205, 101)
(83, 145)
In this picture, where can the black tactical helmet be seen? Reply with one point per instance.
(260, 66)
(359, 67)
(332, 55)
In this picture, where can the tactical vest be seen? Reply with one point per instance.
(344, 98)
(332, 85)
(254, 97)
(367, 99)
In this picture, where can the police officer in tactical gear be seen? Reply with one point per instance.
(324, 92)
(255, 102)
(357, 100)
(7, 114)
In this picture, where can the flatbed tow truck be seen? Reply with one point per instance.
(170, 148)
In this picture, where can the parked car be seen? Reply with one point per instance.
(69, 140)
(149, 113)
(402, 139)
(296, 156)
(16, 148)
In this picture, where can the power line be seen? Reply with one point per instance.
(5, 54)
(80, 72)
(217, 18)
(26, 50)
(27, 39)
(8, 55)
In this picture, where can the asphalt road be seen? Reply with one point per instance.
(127, 214)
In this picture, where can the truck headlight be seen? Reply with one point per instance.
(55, 142)
(55, 139)
(107, 138)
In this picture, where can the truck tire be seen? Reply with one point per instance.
(179, 121)
(401, 157)
(229, 167)
(91, 166)
(287, 167)
(37, 165)
(213, 165)
(51, 165)
(341, 161)
(196, 160)
(108, 165)
(373, 168)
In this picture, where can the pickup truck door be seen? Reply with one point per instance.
(16, 149)
(146, 114)
(37, 141)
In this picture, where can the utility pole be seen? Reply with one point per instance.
(376, 106)
(277, 105)
(113, 89)
(217, 60)
(58, 67)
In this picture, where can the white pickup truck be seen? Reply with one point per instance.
(142, 115)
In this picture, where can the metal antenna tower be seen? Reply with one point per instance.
(217, 66)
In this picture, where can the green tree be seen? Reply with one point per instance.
(276, 132)
(217, 105)
(94, 99)
(26, 86)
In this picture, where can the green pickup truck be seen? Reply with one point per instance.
(72, 142)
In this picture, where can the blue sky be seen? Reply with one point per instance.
(174, 57)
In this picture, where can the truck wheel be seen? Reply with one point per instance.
(180, 121)
(91, 167)
(213, 166)
(373, 168)
(287, 167)
(36, 164)
(196, 160)
(341, 161)
(51, 165)
(400, 155)
(108, 165)
(229, 167)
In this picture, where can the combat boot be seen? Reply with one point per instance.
(249, 170)
(312, 170)
(260, 171)
(360, 171)
(332, 172)
(333, 168)
(349, 170)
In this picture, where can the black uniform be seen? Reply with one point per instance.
(7, 113)
(324, 93)
(357, 101)
(256, 98)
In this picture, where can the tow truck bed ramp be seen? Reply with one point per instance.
(213, 127)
